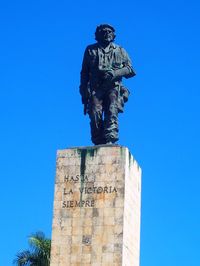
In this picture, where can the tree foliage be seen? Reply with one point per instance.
(38, 254)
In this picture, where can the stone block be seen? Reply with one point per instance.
(97, 198)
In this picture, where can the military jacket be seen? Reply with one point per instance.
(96, 59)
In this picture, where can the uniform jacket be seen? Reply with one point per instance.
(95, 59)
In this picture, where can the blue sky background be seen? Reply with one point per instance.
(41, 49)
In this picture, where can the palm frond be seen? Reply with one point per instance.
(40, 244)
(24, 258)
(38, 255)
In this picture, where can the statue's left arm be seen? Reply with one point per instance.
(124, 70)
(127, 68)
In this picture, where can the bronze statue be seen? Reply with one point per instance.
(103, 95)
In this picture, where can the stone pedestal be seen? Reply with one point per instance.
(96, 207)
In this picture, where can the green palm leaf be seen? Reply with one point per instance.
(39, 253)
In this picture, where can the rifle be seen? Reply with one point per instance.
(85, 110)
(86, 101)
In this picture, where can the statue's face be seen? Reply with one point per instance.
(106, 35)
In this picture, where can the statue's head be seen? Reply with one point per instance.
(105, 34)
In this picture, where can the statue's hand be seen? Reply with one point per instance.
(108, 76)
(113, 75)
(120, 73)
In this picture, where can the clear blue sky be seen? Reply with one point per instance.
(41, 48)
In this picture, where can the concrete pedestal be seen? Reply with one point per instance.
(96, 207)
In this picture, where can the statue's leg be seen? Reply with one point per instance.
(111, 116)
(96, 122)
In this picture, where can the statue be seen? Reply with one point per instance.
(103, 95)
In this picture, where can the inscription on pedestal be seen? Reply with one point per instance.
(76, 186)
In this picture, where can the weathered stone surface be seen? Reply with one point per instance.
(96, 207)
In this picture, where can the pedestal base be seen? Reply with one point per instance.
(96, 207)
